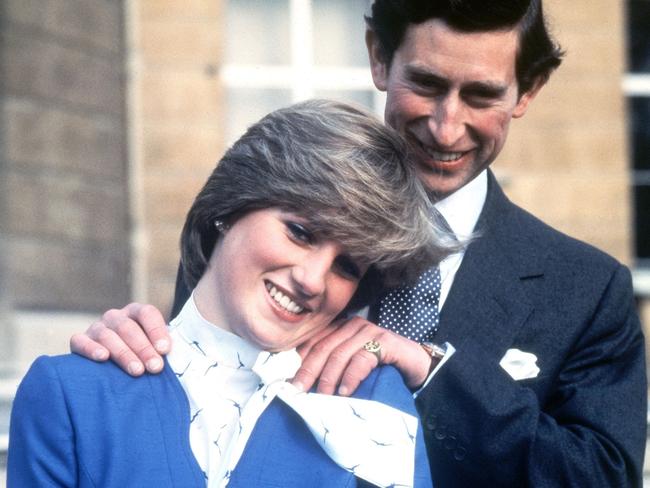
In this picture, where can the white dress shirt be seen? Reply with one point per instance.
(215, 369)
(461, 210)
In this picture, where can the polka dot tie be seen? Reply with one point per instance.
(412, 311)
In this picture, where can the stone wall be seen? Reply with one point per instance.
(567, 161)
(175, 115)
(65, 208)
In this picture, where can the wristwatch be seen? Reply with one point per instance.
(435, 351)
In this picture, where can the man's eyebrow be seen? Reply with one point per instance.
(486, 88)
(420, 75)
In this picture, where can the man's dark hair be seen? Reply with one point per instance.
(538, 54)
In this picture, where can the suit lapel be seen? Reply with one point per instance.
(487, 297)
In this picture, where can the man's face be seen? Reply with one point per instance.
(452, 95)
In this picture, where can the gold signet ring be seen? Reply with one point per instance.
(375, 348)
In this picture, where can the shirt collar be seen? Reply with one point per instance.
(462, 208)
(212, 341)
(217, 344)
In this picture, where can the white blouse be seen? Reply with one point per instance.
(229, 383)
(214, 368)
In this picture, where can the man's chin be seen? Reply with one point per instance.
(439, 185)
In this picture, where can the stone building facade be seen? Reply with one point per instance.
(63, 158)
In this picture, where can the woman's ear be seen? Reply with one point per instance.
(221, 226)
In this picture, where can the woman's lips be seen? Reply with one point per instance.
(285, 305)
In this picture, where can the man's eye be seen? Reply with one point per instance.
(428, 85)
(481, 98)
(348, 268)
(430, 89)
(300, 233)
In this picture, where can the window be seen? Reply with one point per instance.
(637, 89)
(279, 52)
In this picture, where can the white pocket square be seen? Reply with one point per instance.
(520, 365)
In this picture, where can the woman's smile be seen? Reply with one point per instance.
(274, 282)
(284, 301)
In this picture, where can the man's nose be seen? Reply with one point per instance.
(310, 273)
(447, 121)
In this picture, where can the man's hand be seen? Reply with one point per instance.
(337, 355)
(133, 337)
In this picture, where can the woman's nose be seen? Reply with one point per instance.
(312, 270)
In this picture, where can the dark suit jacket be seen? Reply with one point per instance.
(84, 424)
(582, 421)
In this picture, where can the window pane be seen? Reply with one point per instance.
(638, 14)
(257, 32)
(339, 31)
(642, 220)
(639, 113)
(245, 106)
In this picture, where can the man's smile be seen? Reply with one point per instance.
(437, 159)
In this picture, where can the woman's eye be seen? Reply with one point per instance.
(300, 233)
(348, 268)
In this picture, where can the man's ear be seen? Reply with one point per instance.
(527, 97)
(378, 67)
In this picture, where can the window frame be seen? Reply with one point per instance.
(302, 77)
(637, 85)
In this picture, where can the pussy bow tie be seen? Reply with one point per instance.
(373, 441)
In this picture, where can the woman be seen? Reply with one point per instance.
(301, 219)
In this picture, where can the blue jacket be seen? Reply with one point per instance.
(79, 423)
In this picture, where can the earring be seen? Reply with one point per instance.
(221, 226)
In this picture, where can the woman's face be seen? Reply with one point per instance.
(275, 283)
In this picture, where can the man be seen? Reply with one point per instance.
(456, 72)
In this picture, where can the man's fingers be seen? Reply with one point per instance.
(120, 353)
(340, 360)
(358, 369)
(305, 348)
(125, 338)
(153, 324)
(304, 378)
(315, 353)
(84, 346)
(329, 356)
